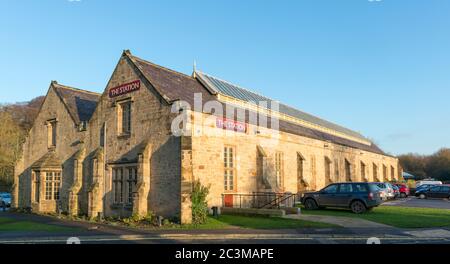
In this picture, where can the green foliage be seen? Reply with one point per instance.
(199, 204)
(435, 166)
(15, 120)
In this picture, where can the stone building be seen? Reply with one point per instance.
(140, 145)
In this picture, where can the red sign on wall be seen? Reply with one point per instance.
(125, 88)
(228, 124)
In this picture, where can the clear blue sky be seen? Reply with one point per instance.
(381, 68)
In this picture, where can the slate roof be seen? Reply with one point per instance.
(81, 104)
(170, 84)
(49, 161)
(173, 86)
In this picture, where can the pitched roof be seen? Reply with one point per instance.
(80, 103)
(232, 90)
(173, 86)
(49, 160)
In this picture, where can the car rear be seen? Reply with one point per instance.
(374, 196)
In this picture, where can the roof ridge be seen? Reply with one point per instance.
(238, 86)
(286, 105)
(75, 89)
(161, 67)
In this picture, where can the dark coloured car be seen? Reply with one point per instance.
(438, 191)
(357, 196)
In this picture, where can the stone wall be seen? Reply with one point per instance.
(36, 146)
(208, 160)
(151, 120)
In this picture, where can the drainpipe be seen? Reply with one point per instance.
(105, 158)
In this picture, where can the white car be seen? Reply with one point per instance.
(429, 182)
(386, 190)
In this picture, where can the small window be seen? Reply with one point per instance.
(360, 188)
(118, 185)
(435, 189)
(124, 119)
(229, 171)
(51, 133)
(327, 163)
(363, 171)
(279, 168)
(102, 135)
(345, 188)
(331, 189)
(348, 171)
(132, 181)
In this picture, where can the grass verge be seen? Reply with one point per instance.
(402, 217)
(255, 222)
(9, 225)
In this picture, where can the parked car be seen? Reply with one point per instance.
(396, 191)
(403, 189)
(438, 191)
(430, 182)
(358, 196)
(424, 187)
(5, 200)
(387, 192)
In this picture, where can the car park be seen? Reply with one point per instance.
(5, 200)
(387, 192)
(437, 191)
(403, 189)
(396, 190)
(359, 197)
(429, 182)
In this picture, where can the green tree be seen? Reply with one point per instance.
(199, 203)
(10, 147)
(414, 164)
(438, 165)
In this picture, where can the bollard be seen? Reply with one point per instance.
(160, 220)
(215, 211)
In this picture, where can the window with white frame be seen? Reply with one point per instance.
(229, 168)
(52, 185)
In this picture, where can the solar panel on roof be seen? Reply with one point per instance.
(237, 92)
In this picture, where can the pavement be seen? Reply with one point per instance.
(422, 203)
(346, 222)
(352, 232)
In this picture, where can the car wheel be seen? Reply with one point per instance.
(422, 196)
(310, 204)
(403, 195)
(358, 207)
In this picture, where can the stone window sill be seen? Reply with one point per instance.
(124, 136)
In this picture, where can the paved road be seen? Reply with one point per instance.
(416, 202)
(93, 233)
